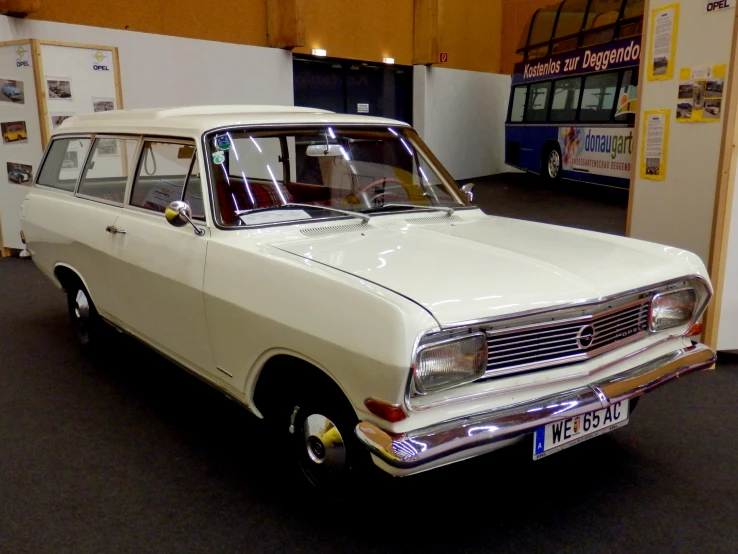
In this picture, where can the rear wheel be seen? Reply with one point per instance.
(86, 322)
(551, 163)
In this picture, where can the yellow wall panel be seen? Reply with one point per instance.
(471, 34)
(360, 29)
(236, 21)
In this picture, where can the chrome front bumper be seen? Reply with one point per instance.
(415, 451)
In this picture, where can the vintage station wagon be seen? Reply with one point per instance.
(327, 272)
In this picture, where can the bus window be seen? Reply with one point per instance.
(627, 97)
(566, 99)
(598, 97)
(538, 102)
(518, 104)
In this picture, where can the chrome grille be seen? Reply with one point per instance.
(562, 342)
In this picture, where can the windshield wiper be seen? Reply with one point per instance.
(364, 217)
(449, 211)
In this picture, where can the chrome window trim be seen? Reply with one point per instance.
(468, 326)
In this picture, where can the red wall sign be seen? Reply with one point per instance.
(444, 57)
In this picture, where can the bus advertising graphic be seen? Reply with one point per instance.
(605, 151)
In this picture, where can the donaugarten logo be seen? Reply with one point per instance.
(609, 144)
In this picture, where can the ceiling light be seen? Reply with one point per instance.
(319, 52)
(388, 60)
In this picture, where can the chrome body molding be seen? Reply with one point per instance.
(421, 449)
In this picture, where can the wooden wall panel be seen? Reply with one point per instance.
(235, 21)
(361, 29)
(515, 15)
(471, 34)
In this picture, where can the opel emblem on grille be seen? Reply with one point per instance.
(585, 337)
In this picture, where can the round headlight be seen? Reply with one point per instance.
(450, 363)
(672, 309)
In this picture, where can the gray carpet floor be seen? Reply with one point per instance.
(127, 453)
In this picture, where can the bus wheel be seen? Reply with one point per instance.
(551, 163)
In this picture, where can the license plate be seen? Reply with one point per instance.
(559, 435)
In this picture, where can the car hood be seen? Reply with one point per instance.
(480, 267)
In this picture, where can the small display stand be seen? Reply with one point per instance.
(41, 84)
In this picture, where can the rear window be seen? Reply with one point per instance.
(63, 163)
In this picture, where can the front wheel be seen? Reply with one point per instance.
(313, 427)
(552, 164)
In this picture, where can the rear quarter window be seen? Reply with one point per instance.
(63, 163)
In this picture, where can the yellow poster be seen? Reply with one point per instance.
(700, 97)
(654, 144)
(662, 45)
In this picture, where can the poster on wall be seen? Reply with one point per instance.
(103, 104)
(700, 96)
(59, 88)
(14, 132)
(12, 91)
(20, 173)
(664, 24)
(602, 151)
(57, 118)
(655, 144)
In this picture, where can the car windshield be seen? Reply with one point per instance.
(356, 169)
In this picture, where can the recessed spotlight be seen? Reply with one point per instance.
(388, 60)
(319, 52)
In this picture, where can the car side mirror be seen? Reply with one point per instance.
(179, 213)
(468, 190)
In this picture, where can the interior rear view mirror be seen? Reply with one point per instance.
(324, 150)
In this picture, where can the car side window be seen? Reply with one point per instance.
(107, 170)
(193, 192)
(63, 163)
(162, 174)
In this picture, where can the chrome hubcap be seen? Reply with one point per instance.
(554, 163)
(324, 443)
(81, 306)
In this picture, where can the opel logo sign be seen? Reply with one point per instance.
(585, 337)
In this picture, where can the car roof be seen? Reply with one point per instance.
(195, 120)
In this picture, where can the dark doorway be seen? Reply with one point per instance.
(354, 87)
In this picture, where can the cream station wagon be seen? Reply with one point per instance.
(327, 272)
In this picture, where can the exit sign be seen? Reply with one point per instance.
(443, 57)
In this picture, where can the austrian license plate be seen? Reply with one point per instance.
(554, 437)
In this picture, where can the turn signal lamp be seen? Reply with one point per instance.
(388, 412)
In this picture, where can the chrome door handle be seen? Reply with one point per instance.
(113, 229)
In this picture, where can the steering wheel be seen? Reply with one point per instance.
(363, 190)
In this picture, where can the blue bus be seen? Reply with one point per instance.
(573, 96)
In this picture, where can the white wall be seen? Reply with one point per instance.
(160, 70)
(461, 116)
(679, 210)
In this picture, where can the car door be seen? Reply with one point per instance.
(158, 268)
(79, 195)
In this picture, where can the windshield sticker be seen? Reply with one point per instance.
(223, 142)
(218, 157)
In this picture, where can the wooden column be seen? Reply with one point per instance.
(427, 31)
(285, 23)
(19, 8)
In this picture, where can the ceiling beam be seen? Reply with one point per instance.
(19, 8)
(285, 23)
(428, 22)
